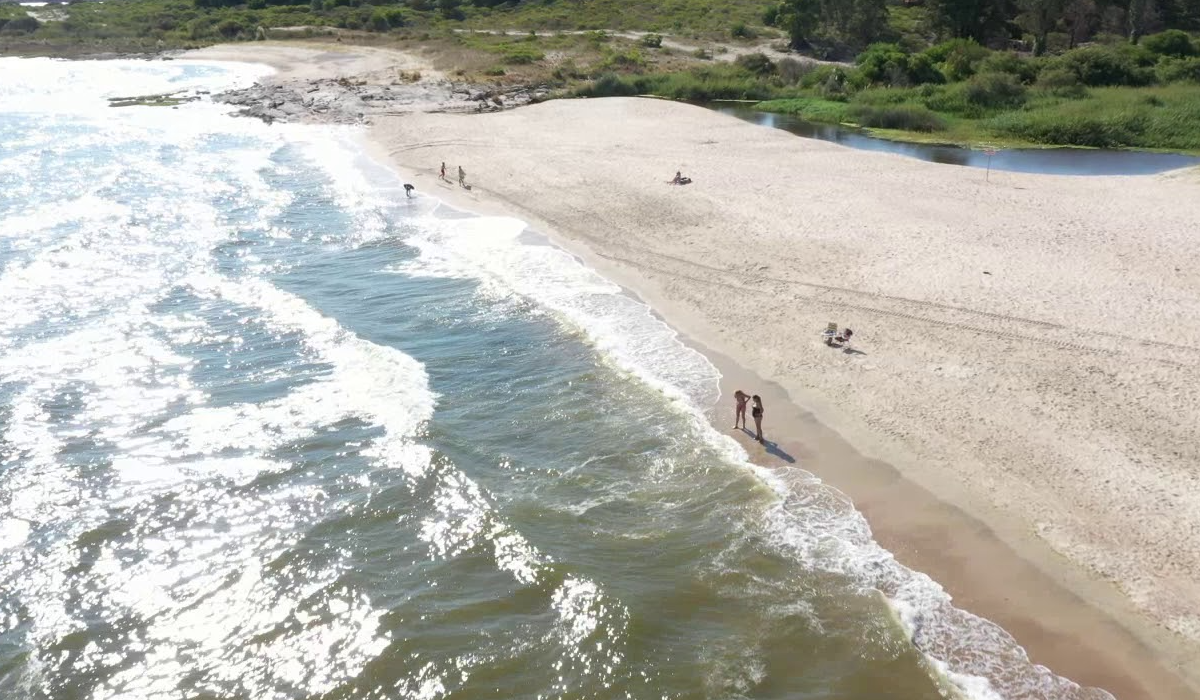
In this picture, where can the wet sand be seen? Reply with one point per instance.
(1018, 422)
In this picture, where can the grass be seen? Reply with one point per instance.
(813, 109)
(1152, 118)
(698, 17)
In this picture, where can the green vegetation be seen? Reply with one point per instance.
(1122, 73)
(1113, 96)
(1110, 96)
(714, 18)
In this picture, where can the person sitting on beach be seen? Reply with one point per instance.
(680, 179)
(757, 413)
(742, 398)
(845, 336)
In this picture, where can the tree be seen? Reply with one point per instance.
(450, 9)
(856, 22)
(800, 18)
(853, 22)
(1039, 17)
(1081, 17)
(21, 25)
(1142, 14)
(969, 19)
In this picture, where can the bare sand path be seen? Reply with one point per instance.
(307, 60)
(1027, 348)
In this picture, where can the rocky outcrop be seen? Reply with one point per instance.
(343, 101)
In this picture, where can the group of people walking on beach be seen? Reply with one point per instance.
(462, 176)
(742, 398)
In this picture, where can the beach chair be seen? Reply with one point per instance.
(829, 333)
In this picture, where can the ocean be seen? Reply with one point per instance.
(271, 430)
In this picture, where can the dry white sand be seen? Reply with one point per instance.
(1029, 346)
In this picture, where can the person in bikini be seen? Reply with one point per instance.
(742, 398)
(757, 413)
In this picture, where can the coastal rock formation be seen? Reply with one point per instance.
(342, 101)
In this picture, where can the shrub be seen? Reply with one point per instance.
(395, 16)
(1104, 65)
(1061, 82)
(1178, 70)
(1082, 128)
(608, 85)
(651, 41)
(921, 70)
(756, 63)
(905, 117)
(741, 31)
(969, 47)
(770, 15)
(995, 91)
(888, 64)
(567, 71)
(21, 25)
(622, 59)
(820, 74)
(959, 58)
(792, 71)
(379, 21)
(229, 28)
(1025, 69)
(1172, 42)
(520, 53)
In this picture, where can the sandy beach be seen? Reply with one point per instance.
(1024, 347)
(1017, 417)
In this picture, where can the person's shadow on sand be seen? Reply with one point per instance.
(772, 448)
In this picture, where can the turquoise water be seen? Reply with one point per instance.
(269, 429)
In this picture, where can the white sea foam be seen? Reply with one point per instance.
(493, 250)
(810, 520)
(90, 265)
(45, 86)
(93, 265)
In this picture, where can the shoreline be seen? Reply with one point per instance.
(1091, 634)
(1076, 626)
(1065, 617)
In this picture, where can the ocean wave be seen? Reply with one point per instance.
(811, 521)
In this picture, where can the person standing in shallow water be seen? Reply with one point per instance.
(757, 412)
(742, 398)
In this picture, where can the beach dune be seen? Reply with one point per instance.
(1026, 348)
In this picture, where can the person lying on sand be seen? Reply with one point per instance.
(680, 179)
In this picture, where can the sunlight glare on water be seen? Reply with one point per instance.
(271, 430)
